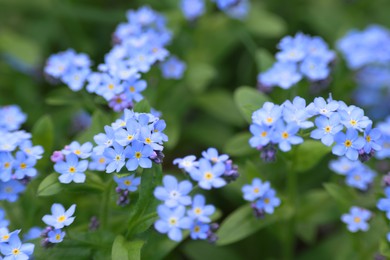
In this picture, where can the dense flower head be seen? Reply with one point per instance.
(18, 156)
(369, 46)
(299, 56)
(357, 174)
(345, 127)
(357, 219)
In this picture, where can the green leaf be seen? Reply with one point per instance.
(238, 145)
(309, 154)
(242, 223)
(122, 249)
(43, 133)
(142, 107)
(199, 76)
(263, 23)
(143, 213)
(49, 186)
(343, 195)
(221, 105)
(198, 250)
(249, 100)
(264, 59)
(384, 248)
(172, 130)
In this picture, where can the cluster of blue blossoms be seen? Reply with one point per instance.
(133, 141)
(59, 219)
(138, 45)
(180, 211)
(279, 125)
(11, 247)
(357, 174)
(193, 9)
(262, 196)
(299, 56)
(368, 53)
(18, 156)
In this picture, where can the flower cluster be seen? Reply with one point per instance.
(279, 125)
(18, 156)
(138, 44)
(180, 211)
(69, 67)
(58, 219)
(210, 171)
(370, 46)
(133, 141)
(192, 9)
(357, 174)
(299, 56)
(262, 196)
(357, 219)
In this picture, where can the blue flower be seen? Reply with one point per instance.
(56, 236)
(256, 190)
(14, 249)
(6, 166)
(261, 135)
(98, 163)
(343, 165)
(268, 201)
(76, 77)
(360, 177)
(209, 176)
(125, 137)
(314, 68)
(384, 203)
(71, 169)
(282, 74)
(33, 233)
(82, 151)
(59, 218)
(327, 128)
(174, 193)
(11, 117)
(372, 138)
(296, 112)
(3, 221)
(173, 68)
(239, 10)
(133, 89)
(357, 219)
(293, 48)
(348, 144)
(115, 157)
(285, 135)
(30, 150)
(199, 230)
(268, 115)
(172, 221)
(320, 107)
(104, 140)
(24, 166)
(187, 163)
(354, 118)
(5, 234)
(10, 190)
(199, 210)
(151, 139)
(192, 9)
(129, 183)
(212, 155)
(138, 155)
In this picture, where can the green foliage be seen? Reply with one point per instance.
(308, 154)
(122, 249)
(49, 186)
(249, 100)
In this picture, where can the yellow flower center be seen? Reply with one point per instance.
(78, 152)
(264, 134)
(58, 237)
(284, 135)
(130, 137)
(368, 138)
(172, 221)
(102, 160)
(356, 177)
(7, 165)
(208, 175)
(15, 251)
(72, 169)
(61, 218)
(5, 237)
(138, 155)
(348, 143)
(198, 211)
(27, 150)
(214, 159)
(352, 122)
(148, 140)
(196, 228)
(266, 200)
(117, 158)
(328, 129)
(132, 89)
(269, 120)
(111, 86)
(356, 219)
(256, 190)
(127, 182)
(23, 166)
(8, 189)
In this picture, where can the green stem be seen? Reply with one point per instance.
(105, 204)
(292, 191)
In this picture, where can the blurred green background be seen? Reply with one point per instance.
(222, 54)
